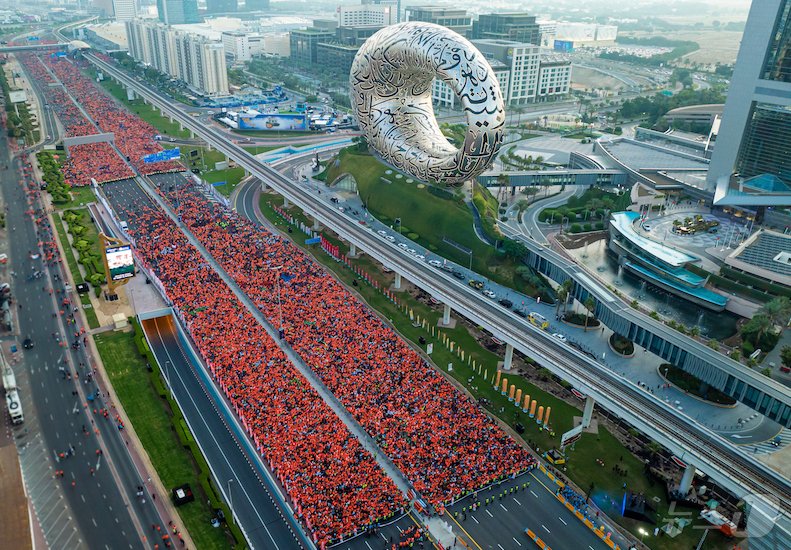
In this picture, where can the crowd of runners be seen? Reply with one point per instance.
(335, 486)
(440, 439)
(133, 137)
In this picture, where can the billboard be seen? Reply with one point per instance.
(120, 262)
(166, 154)
(571, 436)
(274, 123)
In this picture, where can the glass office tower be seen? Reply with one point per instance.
(751, 163)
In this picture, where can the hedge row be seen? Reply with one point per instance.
(755, 282)
(728, 284)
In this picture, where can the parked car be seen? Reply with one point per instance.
(521, 313)
(489, 294)
(390, 238)
(403, 245)
(382, 233)
(505, 302)
(477, 285)
(459, 275)
(560, 337)
(435, 263)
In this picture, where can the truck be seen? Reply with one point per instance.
(12, 401)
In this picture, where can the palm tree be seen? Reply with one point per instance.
(756, 328)
(590, 305)
(694, 331)
(568, 284)
(563, 295)
(778, 310)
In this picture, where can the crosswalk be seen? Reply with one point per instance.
(767, 447)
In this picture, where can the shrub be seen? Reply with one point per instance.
(575, 228)
(412, 236)
(587, 227)
(599, 226)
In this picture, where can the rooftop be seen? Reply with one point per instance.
(624, 223)
(765, 251)
(639, 156)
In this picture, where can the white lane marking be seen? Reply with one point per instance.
(563, 520)
(535, 495)
(475, 520)
(544, 528)
(368, 545)
(490, 514)
(516, 541)
(519, 503)
(503, 507)
(500, 547)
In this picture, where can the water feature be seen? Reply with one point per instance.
(717, 325)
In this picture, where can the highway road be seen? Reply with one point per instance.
(101, 508)
(729, 467)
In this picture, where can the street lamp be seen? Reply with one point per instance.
(397, 221)
(642, 532)
(167, 378)
(230, 497)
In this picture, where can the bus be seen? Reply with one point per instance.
(538, 320)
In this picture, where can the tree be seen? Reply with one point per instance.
(778, 310)
(590, 305)
(757, 328)
(785, 356)
(563, 295)
(694, 331)
(567, 285)
(514, 249)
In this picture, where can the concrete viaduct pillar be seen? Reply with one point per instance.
(352, 250)
(397, 283)
(509, 357)
(317, 225)
(446, 315)
(286, 204)
(686, 480)
(587, 412)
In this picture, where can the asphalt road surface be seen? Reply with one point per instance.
(97, 491)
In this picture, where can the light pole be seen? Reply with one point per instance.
(230, 497)
(643, 533)
(167, 378)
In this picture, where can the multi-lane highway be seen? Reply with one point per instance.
(729, 467)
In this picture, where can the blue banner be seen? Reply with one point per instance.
(166, 154)
(314, 240)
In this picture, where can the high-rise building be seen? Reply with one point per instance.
(125, 10)
(523, 61)
(197, 61)
(221, 6)
(457, 20)
(751, 163)
(395, 4)
(364, 15)
(304, 43)
(237, 45)
(178, 12)
(518, 27)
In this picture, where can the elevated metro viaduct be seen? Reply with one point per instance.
(33, 47)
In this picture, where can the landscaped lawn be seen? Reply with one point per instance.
(150, 418)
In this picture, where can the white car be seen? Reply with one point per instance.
(382, 233)
(412, 251)
(435, 263)
(421, 257)
(560, 337)
(489, 294)
(390, 238)
(403, 245)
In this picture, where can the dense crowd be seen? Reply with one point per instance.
(335, 485)
(441, 440)
(100, 161)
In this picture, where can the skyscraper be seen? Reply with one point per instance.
(125, 10)
(178, 12)
(519, 27)
(751, 163)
